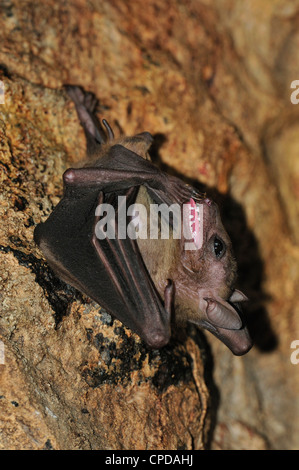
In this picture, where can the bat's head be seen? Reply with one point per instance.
(206, 276)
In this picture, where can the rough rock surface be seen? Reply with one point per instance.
(211, 80)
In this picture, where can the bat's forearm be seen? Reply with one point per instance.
(109, 179)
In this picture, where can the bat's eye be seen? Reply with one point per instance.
(219, 247)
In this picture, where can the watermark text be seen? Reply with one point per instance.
(160, 221)
(294, 358)
(295, 94)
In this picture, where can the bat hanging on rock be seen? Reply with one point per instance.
(146, 282)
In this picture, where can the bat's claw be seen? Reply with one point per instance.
(75, 93)
(198, 197)
(177, 190)
(80, 97)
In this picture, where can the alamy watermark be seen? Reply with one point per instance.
(2, 96)
(185, 221)
(295, 94)
(294, 358)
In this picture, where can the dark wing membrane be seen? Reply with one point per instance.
(110, 271)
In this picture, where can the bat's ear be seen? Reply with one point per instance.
(238, 296)
(146, 137)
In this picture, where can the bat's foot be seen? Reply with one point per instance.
(86, 104)
(82, 98)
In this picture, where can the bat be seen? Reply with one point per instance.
(146, 282)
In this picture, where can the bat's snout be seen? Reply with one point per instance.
(238, 341)
(224, 320)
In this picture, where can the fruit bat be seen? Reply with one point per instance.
(144, 281)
